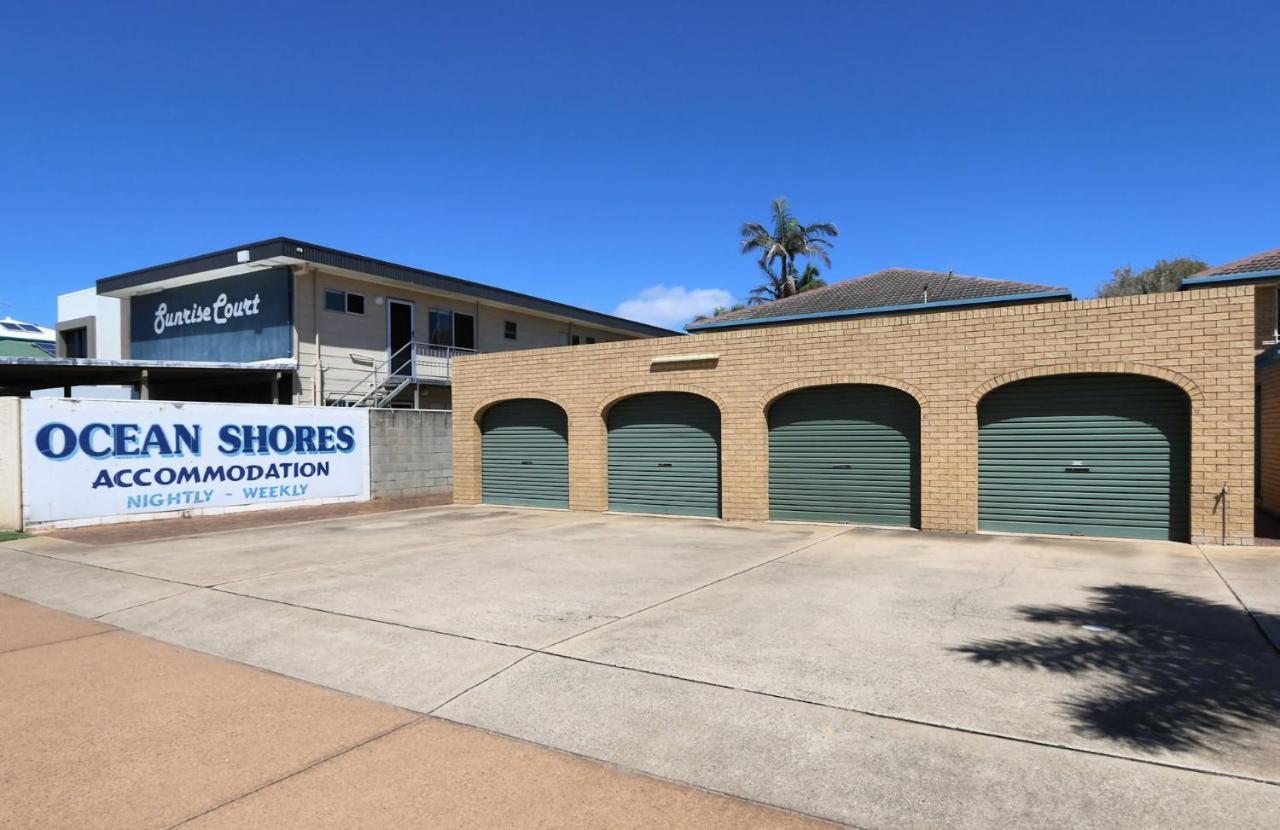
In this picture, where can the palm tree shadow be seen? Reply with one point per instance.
(1174, 680)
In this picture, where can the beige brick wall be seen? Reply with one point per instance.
(1201, 340)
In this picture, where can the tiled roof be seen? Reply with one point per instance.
(888, 288)
(1265, 261)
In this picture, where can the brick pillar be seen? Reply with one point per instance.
(588, 460)
(744, 461)
(466, 459)
(949, 465)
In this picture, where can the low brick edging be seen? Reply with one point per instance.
(1200, 341)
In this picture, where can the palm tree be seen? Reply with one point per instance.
(775, 287)
(718, 311)
(784, 244)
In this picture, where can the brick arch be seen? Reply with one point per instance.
(631, 391)
(1181, 381)
(478, 412)
(767, 400)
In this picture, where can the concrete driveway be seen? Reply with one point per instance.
(877, 678)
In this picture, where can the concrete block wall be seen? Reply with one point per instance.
(10, 464)
(410, 453)
(1202, 341)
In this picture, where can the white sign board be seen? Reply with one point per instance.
(109, 460)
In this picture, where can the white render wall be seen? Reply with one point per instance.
(110, 322)
(10, 464)
(108, 314)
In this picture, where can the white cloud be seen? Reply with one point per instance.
(672, 307)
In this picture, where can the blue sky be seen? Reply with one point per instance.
(598, 153)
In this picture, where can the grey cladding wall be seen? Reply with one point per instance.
(411, 453)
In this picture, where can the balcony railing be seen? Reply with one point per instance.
(435, 362)
(376, 385)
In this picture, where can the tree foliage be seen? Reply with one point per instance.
(780, 246)
(775, 288)
(718, 311)
(1165, 275)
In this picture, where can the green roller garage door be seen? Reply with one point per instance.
(1092, 455)
(664, 455)
(525, 454)
(844, 454)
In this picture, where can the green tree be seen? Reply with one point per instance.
(775, 287)
(718, 311)
(1165, 275)
(780, 246)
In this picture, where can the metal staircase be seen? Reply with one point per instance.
(411, 364)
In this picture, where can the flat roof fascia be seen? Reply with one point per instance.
(1229, 279)
(228, 258)
(283, 247)
(1007, 299)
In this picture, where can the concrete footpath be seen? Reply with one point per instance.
(104, 728)
(871, 677)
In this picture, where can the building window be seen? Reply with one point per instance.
(590, 340)
(440, 328)
(450, 328)
(509, 330)
(75, 342)
(343, 301)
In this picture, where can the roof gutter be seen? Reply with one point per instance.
(1226, 279)
(885, 309)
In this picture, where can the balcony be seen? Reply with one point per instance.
(434, 364)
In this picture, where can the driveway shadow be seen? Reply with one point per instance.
(1172, 678)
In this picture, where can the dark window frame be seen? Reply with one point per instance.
(510, 330)
(346, 301)
(435, 328)
(78, 337)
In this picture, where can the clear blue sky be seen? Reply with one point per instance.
(590, 151)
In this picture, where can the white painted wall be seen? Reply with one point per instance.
(10, 465)
(109, 322)
(108, 313)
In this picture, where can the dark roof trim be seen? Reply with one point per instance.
(1239, 278)
(320, 255)
(1007, 299)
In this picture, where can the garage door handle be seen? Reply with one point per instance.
(664, 464)
(1076, 469)
(842, 466)
(528, 463)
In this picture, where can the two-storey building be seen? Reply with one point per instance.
(295, 322)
